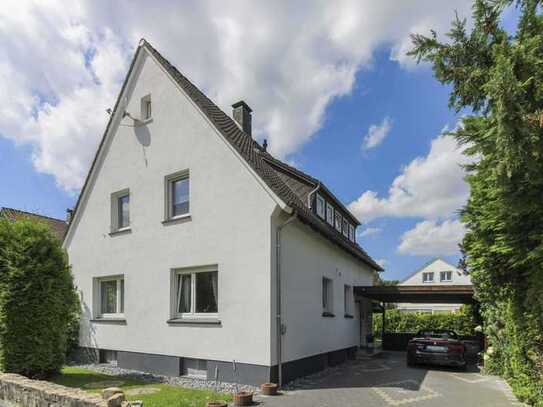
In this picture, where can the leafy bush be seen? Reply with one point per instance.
(462, 322)
(38, 301)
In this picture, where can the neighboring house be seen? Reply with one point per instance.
(57, 226)
(198, 253)
(436, 272)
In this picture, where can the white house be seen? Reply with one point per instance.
(436, 272)
(194, 250)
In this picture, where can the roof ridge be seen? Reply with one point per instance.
(32, 214)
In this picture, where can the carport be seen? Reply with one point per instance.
(421, 294)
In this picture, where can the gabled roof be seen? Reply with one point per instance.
(57, 226)
(432, 261)
(259, 160)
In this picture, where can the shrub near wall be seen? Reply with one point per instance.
(461, 322)
(37, 299)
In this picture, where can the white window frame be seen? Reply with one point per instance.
(442, 273)
(345, 228)
(115, 210)
(146, 108)
(168, 194)
(120, 297)
(330, 214)
(352, 233)
(192, 271)
(428, 273)
(328, 299)
(337, 216)
(348, 300)
(320, 204)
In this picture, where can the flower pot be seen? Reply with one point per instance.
(216, 403)
(269, 389)
(243, 398)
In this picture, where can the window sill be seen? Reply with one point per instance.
(119, 321)
(349, 316)
(328, 315)
(122, 231)
(194, 321)
(146, 121)
(177, 219)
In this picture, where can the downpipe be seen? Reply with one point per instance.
(279, 321)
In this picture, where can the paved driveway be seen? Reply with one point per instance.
(385, 380)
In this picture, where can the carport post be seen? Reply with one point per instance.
(383, 324)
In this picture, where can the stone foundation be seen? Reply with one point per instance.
(19, 391)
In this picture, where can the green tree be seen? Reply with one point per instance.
(498, 77)
(38, 302)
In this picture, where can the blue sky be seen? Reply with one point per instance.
(320, 81)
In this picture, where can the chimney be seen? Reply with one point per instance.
(69, 215)
(242, 115)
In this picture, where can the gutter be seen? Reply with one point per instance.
(279, 324)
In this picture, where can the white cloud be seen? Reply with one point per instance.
(61, 67)
(376, 134)
(430, 238)
(381, 262)
(370, 231)
(431, 187)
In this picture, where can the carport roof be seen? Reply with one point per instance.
(444, 294)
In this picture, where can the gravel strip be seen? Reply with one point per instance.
(181, 381)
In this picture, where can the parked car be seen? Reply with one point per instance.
(437, 347)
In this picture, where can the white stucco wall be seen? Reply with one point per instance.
(230, 226)
(438, 265)
(307, 258)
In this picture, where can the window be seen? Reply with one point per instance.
(111, 297)
(352, 233)
(196, 292)
(338, 221)
(120, 210)
(177, 195)
(146, 108)
(427, 277)
(194, 368)
(345, 228)
(348, 299)
(320, 206)
(445, 275)
(329, 214)
(327, 287)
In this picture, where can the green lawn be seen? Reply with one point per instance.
(158, 395)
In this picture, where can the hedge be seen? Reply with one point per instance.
(38, 301)
(461, 322)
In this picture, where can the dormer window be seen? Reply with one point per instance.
(351, 233)
(329, 214)
(146, 108)
(339, 220)
(345, 228)
(320, 206)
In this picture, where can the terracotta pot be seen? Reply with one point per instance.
(216, 403)
(269, 389)
(243, 398)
